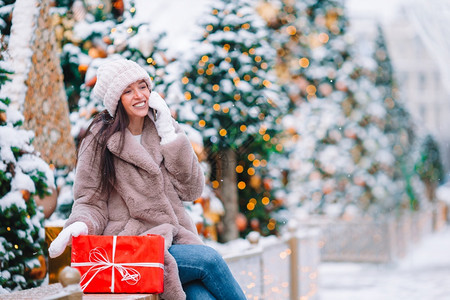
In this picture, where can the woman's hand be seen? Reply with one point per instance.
(163, 122)
(59, 244)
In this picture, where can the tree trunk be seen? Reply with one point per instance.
(430, 188)
(229, 194)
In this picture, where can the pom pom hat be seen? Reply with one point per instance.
(113, 77)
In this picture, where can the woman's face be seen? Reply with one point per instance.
(135, 99)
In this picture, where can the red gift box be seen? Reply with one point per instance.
(119, 264)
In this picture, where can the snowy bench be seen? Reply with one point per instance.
(69, 289)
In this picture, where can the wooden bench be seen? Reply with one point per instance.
(69, 289)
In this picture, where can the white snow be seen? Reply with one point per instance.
(23, 25)
(422, 275)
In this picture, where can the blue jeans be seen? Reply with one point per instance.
(204, 274)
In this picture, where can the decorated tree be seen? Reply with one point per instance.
(398, 124)
(342, 161)
(23, 176)
(231, 97)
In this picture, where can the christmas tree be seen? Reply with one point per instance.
(237, 106)
(23, 175)
(398, 124)
(341, 155)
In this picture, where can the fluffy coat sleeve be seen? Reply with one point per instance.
(89, 206)
(184, 169)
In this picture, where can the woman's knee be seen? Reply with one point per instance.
(211, 258)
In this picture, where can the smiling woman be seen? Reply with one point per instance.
(132, 186)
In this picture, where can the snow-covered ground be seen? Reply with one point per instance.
(424, 274)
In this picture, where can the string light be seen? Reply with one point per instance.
(311, 89)
(265, 200)
(241, 185)
(323, 38)
(201, 123)
(215, 87)
(225, 110)
(251, 171)
(8, 228)
(215, 184)
(200, 71)
(239, 169)
(132, 10)
(130, 30)
(303, 62)
(250, 206)
(149, 60)
(267, 83)
(252, 51)
(262, 130)
(243, 128)
(187, 96)
(237, 97)
(216, 107)
(226, 28)
(258, 58)
(266, 137)
(251, 157)
(185, 80)
(205, 58)
(223, 132)
(245, 26)
(291, 30)
(209, 28)
(256, 163)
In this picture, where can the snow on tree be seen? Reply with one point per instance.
(233, 100)
(23, 175)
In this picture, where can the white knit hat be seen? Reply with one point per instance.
(113, 77)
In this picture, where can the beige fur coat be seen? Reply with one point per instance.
(152, 182)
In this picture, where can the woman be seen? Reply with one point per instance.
(135, 167)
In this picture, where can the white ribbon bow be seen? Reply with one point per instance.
(99, 261)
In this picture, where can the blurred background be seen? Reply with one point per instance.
(321, 126)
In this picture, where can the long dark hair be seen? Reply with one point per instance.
(108, 126)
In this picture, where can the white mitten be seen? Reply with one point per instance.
(59, 244)
(164, 125)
